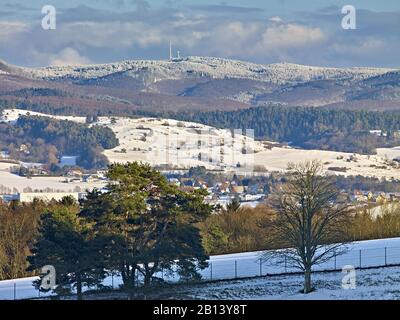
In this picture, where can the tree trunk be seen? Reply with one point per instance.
(124, 275)
(149, 272)
(147, 279)
(128, 276)
(307, 280)
(133, 277)
(79, 286)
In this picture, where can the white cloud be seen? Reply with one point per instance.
(256, 39)
(367, 47)
(291, 35)
(232, 39)
(68, 56)
(11, 28)
(110, 34)
(104, 36)
(275, 19)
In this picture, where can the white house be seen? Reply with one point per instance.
(48, 196)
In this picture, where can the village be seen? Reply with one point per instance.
(190, 165)
(222, 188)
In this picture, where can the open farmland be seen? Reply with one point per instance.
(167, 141)
(185, 144)
(56, 184)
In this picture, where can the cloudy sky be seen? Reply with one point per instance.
(298, 31)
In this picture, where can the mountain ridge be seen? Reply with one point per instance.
(215, 68)
(198, 84)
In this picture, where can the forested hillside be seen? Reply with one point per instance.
(311, 128)
(42, 139)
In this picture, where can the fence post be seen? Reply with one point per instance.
(285, 264)
(385, 256)
(360, 259)
(260, 267)
(211, 275)
(235, 269)
(15, 291)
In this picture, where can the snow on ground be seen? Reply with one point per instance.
(390, 153)
(355, 164)
(12, 115)
(178, 143)
(363, 254)
(371, 284)
(12, 181)
(248, 264)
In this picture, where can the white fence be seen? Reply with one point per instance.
(363, 254)
(252, 265)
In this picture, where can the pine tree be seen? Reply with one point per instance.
(64, 243)
(147, 223)
(233, 206)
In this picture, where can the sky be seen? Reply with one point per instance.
(307, 32)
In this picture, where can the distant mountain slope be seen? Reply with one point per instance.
(215, 68)
(197, 84)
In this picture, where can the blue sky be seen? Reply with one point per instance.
(298, 31)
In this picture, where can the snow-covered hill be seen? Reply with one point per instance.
(216, 68)
(187, 144)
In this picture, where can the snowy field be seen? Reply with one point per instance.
(372, 253)
(14, 181)
(390, 153)
(370, 284)
(178, 143)
(12, 115)
(167, 141)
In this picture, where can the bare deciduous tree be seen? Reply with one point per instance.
(310, 221)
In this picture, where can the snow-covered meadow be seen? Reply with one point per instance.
(178, 143)
(186, 144)
(57, 184)
(370, 284)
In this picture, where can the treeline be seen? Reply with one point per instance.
(249, 229)
(237, 230)
(67, 108)
(310, 128)
(19, 225)
(39, 92)
(45, 140)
